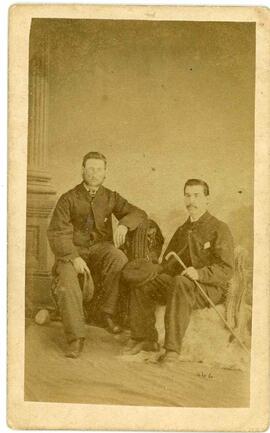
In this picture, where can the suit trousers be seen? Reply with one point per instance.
(180, 295)
(101, 258)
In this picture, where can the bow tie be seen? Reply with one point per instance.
(92, 193)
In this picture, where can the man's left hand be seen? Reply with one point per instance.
(191, 273)
(120, 235)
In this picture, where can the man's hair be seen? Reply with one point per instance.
(94, 155)
(192, 182)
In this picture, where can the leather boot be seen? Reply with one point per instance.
(75, 348)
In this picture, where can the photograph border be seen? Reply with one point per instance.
(30, 415)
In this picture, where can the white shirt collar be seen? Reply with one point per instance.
(92, 190)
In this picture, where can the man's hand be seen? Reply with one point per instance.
(80, 266)
(191, 273)
(120, 235)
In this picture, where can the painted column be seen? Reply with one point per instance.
(40, 193)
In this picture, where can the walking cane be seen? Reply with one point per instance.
(173, 254)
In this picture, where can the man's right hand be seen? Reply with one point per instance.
(80, 266)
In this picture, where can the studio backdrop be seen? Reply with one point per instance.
(164, 101)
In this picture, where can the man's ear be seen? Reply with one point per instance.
(82, 170)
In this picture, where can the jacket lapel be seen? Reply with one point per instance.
(99, 207)
(204, 218)
(194, 239)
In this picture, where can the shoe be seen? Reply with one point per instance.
(131, 343)
(75, 348)
(147, 346)
(168, 357)
(109, 323)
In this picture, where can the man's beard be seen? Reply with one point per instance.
(93, 182)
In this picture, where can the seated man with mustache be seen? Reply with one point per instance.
(205, 245)
(81, 238)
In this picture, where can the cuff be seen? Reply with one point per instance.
(200, 275)
(120, 223)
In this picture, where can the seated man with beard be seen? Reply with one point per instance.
(81, 238)
(205, 245)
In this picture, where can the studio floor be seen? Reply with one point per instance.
(104, 375)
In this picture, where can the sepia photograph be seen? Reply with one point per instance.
(139, 211)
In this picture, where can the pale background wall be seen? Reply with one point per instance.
(164, 101)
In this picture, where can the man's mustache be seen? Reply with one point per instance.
(191, 206)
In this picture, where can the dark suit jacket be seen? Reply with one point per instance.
(211, 250)
(77, 222)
